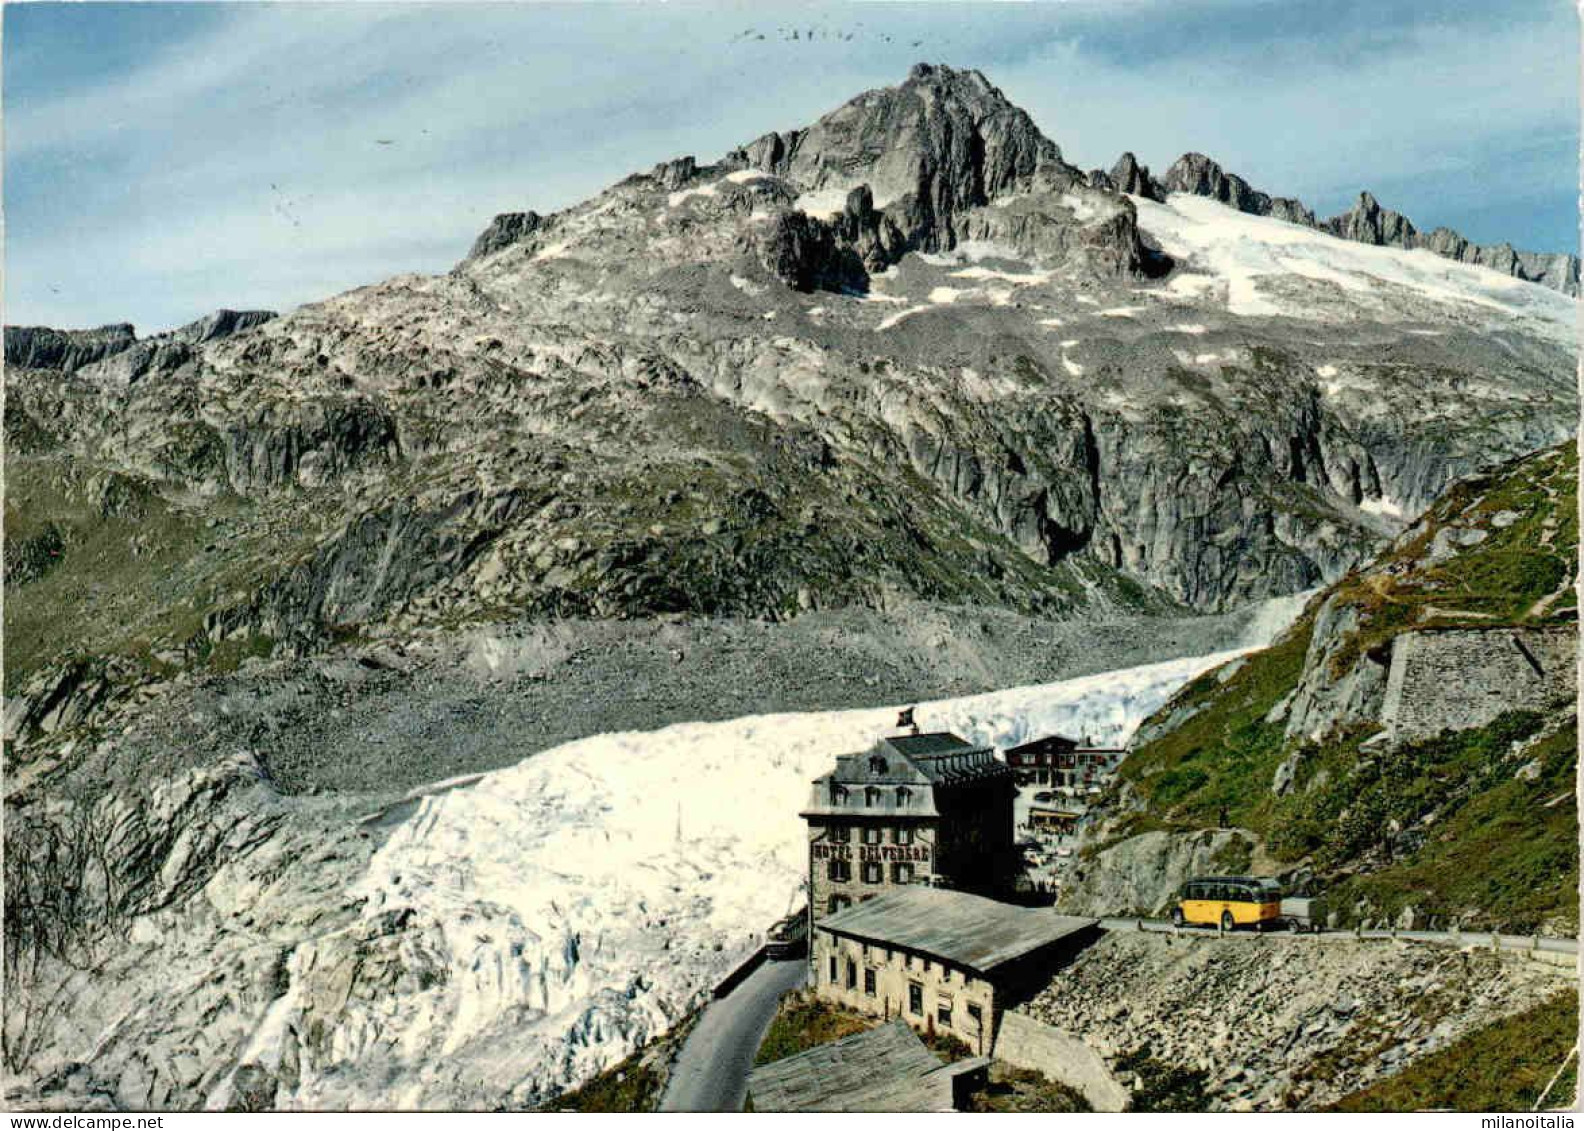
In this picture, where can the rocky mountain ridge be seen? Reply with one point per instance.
(1366, 222)
(906, 351)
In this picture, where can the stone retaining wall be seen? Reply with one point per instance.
(1058, 1055)
(1462, 678)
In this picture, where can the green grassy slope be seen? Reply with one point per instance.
(1505, 1066)
(1478, 826)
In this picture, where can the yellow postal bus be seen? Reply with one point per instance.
(1228, 902)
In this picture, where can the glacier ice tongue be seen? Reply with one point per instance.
(583, 900)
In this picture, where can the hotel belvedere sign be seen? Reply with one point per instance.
(918, 853)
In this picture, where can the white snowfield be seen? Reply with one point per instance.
(1235, 251)
(562, 912)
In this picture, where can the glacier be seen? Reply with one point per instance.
(566, 910)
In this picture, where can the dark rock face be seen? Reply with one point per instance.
(805, 254)
(673, 174)
(1197, 174)
(1100, 179)
(381, 559)
(1366, 222)
(872, 234)
(320, 442)
(1292, 211)
(506, 229)
(1128, 176)
(39, 347)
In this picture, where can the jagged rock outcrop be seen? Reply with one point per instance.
(221, 324)
(1340, 687)
(1128, 176)
(115, 352)
(805, 254)
(311, 444)
(1196, 174)
(1368, 222)
(503, 231)
(943, 142)
(151, 357)
(872, 234)
(56, 698)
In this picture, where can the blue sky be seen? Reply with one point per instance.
(163, 160)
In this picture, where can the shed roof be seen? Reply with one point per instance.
(926, 745)
(965, 930)
(882, 1069)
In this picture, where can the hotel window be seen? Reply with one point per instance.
(975, 1015)
(838, 794)
(903, 796)
(902, 873)
(839, 871)
(872, 796)
(907, 960)
(943, 1012)
(852, 974)
(872, 834)
(838, 834)
(872, 872)
(869, 982)
(838, 903)
(832, 978)
(915, 999)
(926, 966)
(904, 834)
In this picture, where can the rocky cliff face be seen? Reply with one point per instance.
(1366, 222)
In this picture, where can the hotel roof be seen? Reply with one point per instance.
(965, 930)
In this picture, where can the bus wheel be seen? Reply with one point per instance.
(1227, 922)
(1177, 917)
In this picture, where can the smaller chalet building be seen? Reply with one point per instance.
(1059, 761)
(913, 809)
(943, 961)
